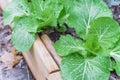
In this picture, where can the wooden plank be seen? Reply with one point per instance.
(43, 57)
(54, 76)
(48, 43)
(29, 57)
(40, 61)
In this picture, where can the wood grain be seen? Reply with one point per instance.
(54, 76)
(41, 62)
(42, 54)
(36, 71)
(49, 45)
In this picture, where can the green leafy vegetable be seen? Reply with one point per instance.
(83, 12)
(76, 67)
(31, 24)
(80, 61)
(31, 16)
(115, 54)
(68, 45)
(64, 14)
(16, 9)
(103, 33)
(22, 39)
(47, 11)
(61, 28)
(103, 39)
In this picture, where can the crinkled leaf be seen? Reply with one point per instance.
(22, 39)
(103, 33)
(83, 12)
(31, 24)
(47, 11)
(68, 45)
(61, 28)
(115, 53)
(48, 7)
(16, 9)
(64, 14)
(75, 67)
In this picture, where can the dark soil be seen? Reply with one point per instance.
(20, 71)
(55, 35)
(116, 13)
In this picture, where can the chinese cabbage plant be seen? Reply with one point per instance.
(87, 59)
(90, 58)
(28, 17)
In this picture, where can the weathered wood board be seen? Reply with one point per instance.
(43, 64)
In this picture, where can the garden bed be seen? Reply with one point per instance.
(42, 58)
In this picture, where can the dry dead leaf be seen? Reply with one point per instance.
(10, 59)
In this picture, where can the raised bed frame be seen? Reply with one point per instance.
(43, 60)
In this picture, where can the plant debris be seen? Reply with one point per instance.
(10, 59)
